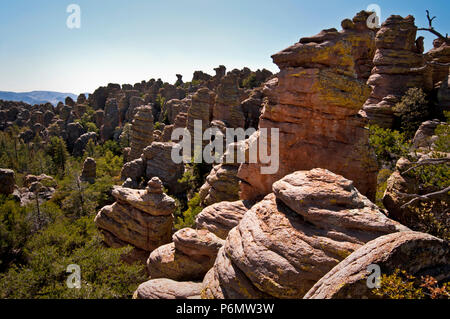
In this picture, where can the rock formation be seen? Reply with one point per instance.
(399, 66)
(222, 217)
(168, 289)
(141, 131)
(418, 254)
(227, 107)
(158, 160)
(7, 181)
(80, 144)
(110, 120)
(439, 59)
(89, 172)
(141, 218)
(287, 242)
(189, 257)
(314, 102)
(202, 105)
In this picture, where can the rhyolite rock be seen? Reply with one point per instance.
(227, 107)
(141, 131)
(222, 217)
(89, 172)
(168, 289)
(418, 254)
(189, 257)
(158, 160)
(292, 238)
(7, 181)
(81, 143)
(141, 218)
(315, 103)
(110, 120)
(399, 65)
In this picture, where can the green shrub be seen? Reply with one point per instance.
(250, 82)
(188, 217)
(412, 111)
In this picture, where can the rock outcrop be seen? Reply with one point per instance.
(189, 257)
(399, 66)
(89, 172)
(315, 103)
(291, 239)
(158, 160)
(418, 254)
(141, 131)
(222, 217)
(439, 59)
(168, 289)
(80, 144)
(141, 218)
(202, 105)
(7, 181)
(227, 107)
(110, 120)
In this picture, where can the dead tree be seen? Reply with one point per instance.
(431, 28)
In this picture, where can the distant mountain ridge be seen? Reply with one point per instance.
(36, 97)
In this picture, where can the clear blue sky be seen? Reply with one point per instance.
(127, 41)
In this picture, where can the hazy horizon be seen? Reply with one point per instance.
(127, 42)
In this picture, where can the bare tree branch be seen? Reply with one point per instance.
(427, 197)
(431, 28)
(431, 161)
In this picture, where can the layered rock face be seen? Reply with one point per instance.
(191, 254)
(439, 58)
(7, 181)
(141, 218)
(418, 254)
(89, 172)
(82, 141)
(202, 105)
(110, 120)
(314, 102)
(222, 185)
(227, 106)
(168, 289)
(287, 242)
(172, 108)
(222, 217)
(141, 131)
(158, 160)
(399, 66)
(252, 107)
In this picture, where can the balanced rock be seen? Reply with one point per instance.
(291, 239)
(418, 254)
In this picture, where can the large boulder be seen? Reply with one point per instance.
(7, 181)
(291, 239)
(168, 289)
(418, 254)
